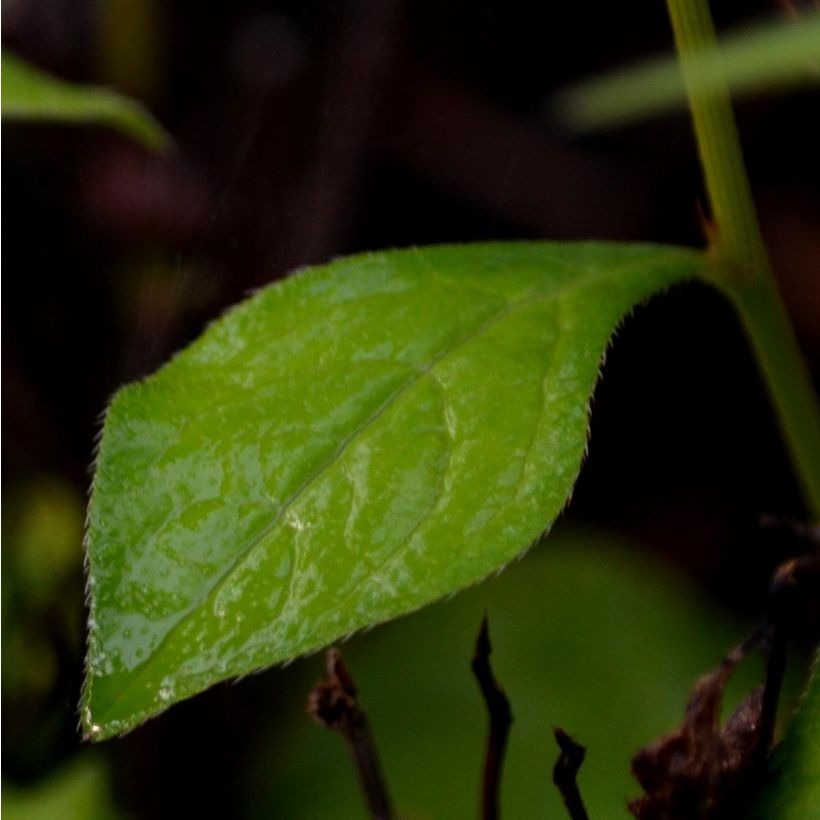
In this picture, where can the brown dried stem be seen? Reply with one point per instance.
(333, 704)
(498, 708)
(565, 774)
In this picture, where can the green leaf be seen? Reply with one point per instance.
(344, 447)
(78, 791)
(31, 94)
(794, 793)
(767, 57)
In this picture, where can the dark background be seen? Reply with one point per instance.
(308, 130)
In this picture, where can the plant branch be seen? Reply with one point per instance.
(739, 242)
(786, 376)
(565, 774)
(742, 270)
(333, 704)
(500, 714)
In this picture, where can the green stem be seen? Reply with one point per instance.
(737, 235)
(787, 378)
(742, 269)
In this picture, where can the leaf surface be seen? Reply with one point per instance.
(32, 94)
(344, 447)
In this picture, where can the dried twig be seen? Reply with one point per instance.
(500, 714)
(709, 769)
(703, 769)
(565, 774)
(333, 704)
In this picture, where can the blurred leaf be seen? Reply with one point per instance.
(46, 541)
(588, 634)
(795, 765)
(42, 587)
(772, 56)
(131, 45)
(32, 94)
(29, 664)
(343, 448)
(79, 791)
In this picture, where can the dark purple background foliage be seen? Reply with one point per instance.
(307, 130)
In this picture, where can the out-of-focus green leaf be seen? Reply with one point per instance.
(45, 543)
(42, 555)
(795, 766)
(768, 57)
(588, 633)
(79, 791)
(31, 94)
(344, 447)
(29, 663)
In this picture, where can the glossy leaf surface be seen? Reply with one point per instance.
(32, 94)
(344, 447)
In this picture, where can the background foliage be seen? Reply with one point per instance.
(305, 131)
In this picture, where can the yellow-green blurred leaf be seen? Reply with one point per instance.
(768, 57)
(46, 540)
(79, 791)
(32, 94)
(29, 664)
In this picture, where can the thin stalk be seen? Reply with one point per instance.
(742, 268)
(565, 774)
(500, 714)
(786, 377)
(333, 703)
